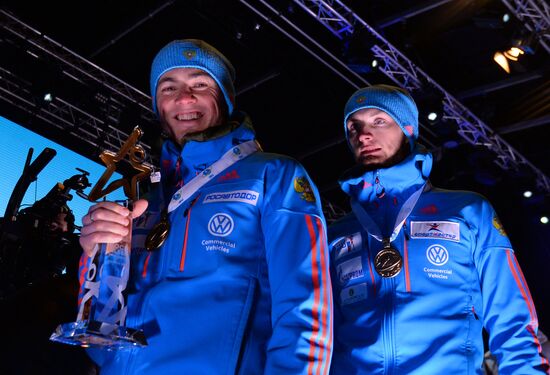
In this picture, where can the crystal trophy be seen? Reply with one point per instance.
(102, 304)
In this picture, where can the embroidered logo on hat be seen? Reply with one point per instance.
(194, 53)
(393, 100)
(189, 54)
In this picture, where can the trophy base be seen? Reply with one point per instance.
(98, 334)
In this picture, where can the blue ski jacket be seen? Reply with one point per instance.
(241, 285)
(459, 275)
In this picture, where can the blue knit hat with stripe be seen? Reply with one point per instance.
(194, 53)
(393, 100)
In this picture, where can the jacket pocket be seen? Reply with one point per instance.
(240, 343)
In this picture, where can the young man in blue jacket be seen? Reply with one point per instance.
(418, 272)
(241, 285)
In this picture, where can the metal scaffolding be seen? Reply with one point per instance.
(342, 21)
(535, 14)
(60, 112)
(65, 116)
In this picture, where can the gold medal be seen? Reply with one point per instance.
(158, 234)
(388, 262)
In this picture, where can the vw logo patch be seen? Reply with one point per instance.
(220, 225)
(437, 255)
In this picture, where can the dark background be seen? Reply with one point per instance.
(295, 100)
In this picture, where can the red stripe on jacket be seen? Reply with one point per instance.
(316, 294)
(327, 305)
(522, 286)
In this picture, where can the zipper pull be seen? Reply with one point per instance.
(380, 190)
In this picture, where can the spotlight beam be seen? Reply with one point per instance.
(409, 13)
(522, 125)
(502, 84)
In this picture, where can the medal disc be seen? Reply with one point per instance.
(157, 235)
(388, 262)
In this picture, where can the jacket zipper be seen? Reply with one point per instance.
(379, 188)
(186, 214)
(389, 334)
(406, 257)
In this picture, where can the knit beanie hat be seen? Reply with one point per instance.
(393, 100)
(194, 53)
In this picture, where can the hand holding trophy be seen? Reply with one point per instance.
(102, 306)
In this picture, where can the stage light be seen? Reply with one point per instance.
(430, 104)
(520, 45)
(451, 144)
(505, 17)
(434, 111)
(101, 98)
(544, 219)
(527, 193)
(500, 59)
(48, 97)
(374, 63)
(513, 53)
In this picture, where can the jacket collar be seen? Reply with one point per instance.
(182, 163)
(400, 180)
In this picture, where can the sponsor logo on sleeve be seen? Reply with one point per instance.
(302, 186)
(350, 270)
(353, 294)
(444, 230)
(346, 245)
(244, 196)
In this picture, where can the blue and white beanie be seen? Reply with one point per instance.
(194, 53)
(393, 100)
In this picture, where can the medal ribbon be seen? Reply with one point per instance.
(370, 225)
(228, 159)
